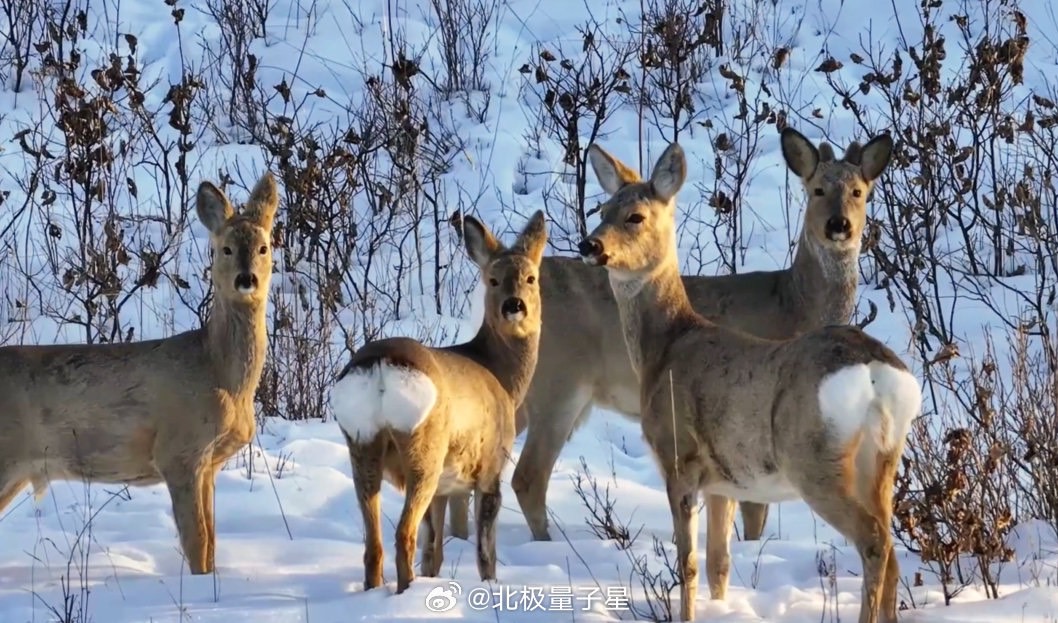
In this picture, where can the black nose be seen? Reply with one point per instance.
(838, 225)
(513, 305)
(245, 281)
(589, 247)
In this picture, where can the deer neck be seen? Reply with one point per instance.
(650, 306)
(824, 281)
(236, 343)
(512, 360)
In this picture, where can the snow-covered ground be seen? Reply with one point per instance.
(289, 532)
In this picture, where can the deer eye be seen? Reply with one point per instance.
(227, 250)
(494, 282)
(856, 192)
(819, 192)
(635, 218)
(263, 249)
(531, 280)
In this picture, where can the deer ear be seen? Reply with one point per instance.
(481, 244)
(533, 238)
(263, 202)
(800, 154)
(826, 152)
(669, 172)
(612, 174)
(875, 156)
(212, 206)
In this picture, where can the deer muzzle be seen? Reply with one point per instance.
(591, 251)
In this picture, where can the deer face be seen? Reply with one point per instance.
(637, 227)
(837, 190)
(511, 275)
(241, 242)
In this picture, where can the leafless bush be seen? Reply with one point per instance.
(602, 517)
(575, 93)
(953, 502)
(73, 555)
(655, 583)
(90, 249)
(678, 42)
(747, 102)
(20, 29)
(233, 67)
(827, 567)
(467, 31)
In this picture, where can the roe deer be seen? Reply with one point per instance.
(439, 421)
(822, 416)
(583, 360)
(170, 410)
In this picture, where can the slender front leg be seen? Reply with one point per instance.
(459, 505)
(754, 518)
(487, 502)
(367, 478)
(184, 480)
(683, 502)
(209, 480)
(717, 544)
(433, 544)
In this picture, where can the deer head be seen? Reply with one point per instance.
(837, 190)
(241, 242)
(510, 274)
(637, 229)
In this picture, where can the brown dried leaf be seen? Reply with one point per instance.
(829, 65)
(779, 57)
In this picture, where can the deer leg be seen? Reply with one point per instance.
(459, 505)
(424, 466)
(754, 518)
(889, 588)
(184, 480)
(209, 478)
(366, 462)
(433, 544)
(487, 499)
(880, 500)
(829, 493)
(683, 502)
(718, 544)
(543, 443)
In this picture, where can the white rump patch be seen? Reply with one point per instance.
(875, 398)
(366, 400)
(900, 396)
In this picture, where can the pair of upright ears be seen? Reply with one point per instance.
(483, 247)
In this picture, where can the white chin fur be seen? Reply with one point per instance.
(515, 317)
(245, 290)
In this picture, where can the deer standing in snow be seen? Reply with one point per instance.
(171, 410)
(822, 416)
(583, 360)
(440, 421)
